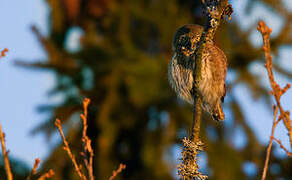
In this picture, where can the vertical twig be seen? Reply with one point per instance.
(277, 92)
(5, 156)
(87, 149)
(197, 111)
(188, 168)
(270, 143)
(215, 11)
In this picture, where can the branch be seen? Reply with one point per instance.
(216, 10)
(87, 152)
(87, 149)
(68, 150)
(188, 168)
(34, 169)
(283, 147)
(119, 170)
(270, 143)
(49, 174)
(5, 155)
(3, 52)
(277, 92)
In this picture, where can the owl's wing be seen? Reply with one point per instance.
(225, 64)
(219, 60)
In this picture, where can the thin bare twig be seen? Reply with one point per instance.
(34, 169)
(283, 147)
(277, 92)
(5, 156)
(3, 52)
(270, 144)
(119, 170)
(87, 149)
(49, 174)
(68, 150)
(87, 152)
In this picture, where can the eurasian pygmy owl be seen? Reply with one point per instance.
(211, 88)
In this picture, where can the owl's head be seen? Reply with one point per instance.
(186, 38)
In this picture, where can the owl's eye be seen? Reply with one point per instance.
(186, 51)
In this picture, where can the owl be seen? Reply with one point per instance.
(211, 88)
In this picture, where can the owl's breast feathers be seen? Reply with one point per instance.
(180, 78)
(212, 85)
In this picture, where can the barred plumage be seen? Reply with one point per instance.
(212, 85)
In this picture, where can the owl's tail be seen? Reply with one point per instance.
(218, 114)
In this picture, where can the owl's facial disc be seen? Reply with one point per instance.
(186, 52)
(184, 45)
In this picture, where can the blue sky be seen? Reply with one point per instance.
(22, 90)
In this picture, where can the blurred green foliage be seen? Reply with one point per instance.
(121, 63)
